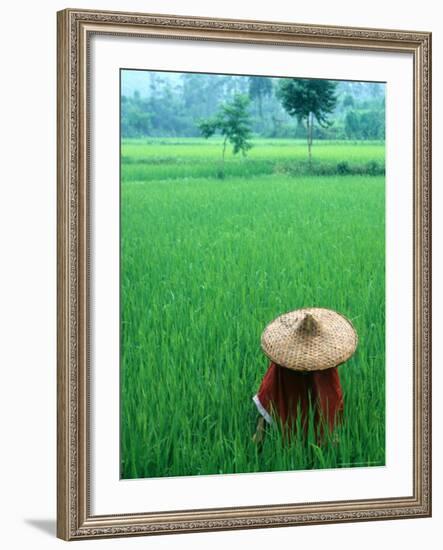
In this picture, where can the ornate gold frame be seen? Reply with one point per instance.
(74, 520)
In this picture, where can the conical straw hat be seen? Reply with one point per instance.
(309, 339)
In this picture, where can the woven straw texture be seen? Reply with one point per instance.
(309, 339)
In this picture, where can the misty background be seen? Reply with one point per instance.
(167, 104)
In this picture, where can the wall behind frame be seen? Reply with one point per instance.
(28, 273)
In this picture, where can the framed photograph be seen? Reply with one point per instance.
(244, 294)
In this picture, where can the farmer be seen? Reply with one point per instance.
(305, 347)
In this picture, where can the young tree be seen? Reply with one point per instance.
(308, 99)
(233, 122)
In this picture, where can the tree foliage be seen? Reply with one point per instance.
(365, 123)
(259, 88)
(160, 104)
(308, 100)
(233, 122)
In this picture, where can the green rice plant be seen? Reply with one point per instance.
(205, 265)
(152, 160)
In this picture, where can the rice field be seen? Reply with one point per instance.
(146, 159)
(206, 263)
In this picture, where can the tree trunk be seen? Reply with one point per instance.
(223, 157)
(309, 135)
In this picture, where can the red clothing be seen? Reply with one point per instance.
(283, 392)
